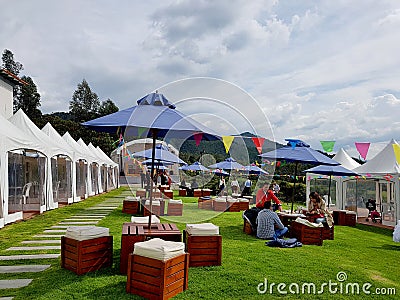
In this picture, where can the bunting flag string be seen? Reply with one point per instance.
(327, 145)
(362, 148)
(227, 140)
(258, 142)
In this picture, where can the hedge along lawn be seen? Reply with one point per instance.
(365, 254)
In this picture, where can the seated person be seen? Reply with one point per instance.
(317, 209)
(266, 194)
(194, 185)
(183, 184)
(371, 205)
(269, 226)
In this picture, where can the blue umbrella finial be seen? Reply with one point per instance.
(156, 99)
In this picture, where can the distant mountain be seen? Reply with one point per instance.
(242, 149)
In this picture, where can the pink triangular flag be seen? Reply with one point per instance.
(258, 142)
(362, 148)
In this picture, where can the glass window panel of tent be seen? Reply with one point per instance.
(16, 180)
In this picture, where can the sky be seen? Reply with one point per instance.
(313, 70)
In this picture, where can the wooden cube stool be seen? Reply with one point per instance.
(306, 234)
(197, 193)
(131, 206)
(154, 274)
(339, 217)
(141, 193)
(243, 204)
(182, 192)
(86, 256)
(233, 205)
(351, 218)
(205, 192)
(205, 203)
(169, 194)
(205, 248)
(220, 205)
(175, 208)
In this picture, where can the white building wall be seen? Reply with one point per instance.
(6, 99)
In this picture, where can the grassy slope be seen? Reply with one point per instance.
(365, 254)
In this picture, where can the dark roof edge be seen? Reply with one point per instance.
(14, 79)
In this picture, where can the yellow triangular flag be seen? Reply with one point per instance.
(396, 149)
(227, 140)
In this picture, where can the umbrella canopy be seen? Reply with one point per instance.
(227, 164)
(220, 172)
(156, 114)
(331, 171)
(298, 151)
(162, 154)
(195, 167)
(255, 170)
(147, 162)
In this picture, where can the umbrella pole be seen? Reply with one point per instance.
(294, 185)
(153, 154)
(329, 188)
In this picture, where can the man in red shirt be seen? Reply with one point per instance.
(266, 194)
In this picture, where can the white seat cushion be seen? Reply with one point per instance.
(154, 203)
(175, 201)
(243, 200)
(202, 229)
(131, 198)
(220, 199)
(232, 200)
(82, 233)
(159, 249)
(145, 220)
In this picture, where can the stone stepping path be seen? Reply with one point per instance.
(89, 216)
(30, 248)
(49, 235)
(14, 283)
(42, 242)
(23, 269)
(29, 256)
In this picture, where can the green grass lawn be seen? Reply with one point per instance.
(364, 254)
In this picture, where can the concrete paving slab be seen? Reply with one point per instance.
(84, 219)
(29, 256)
(26, 248)
(23, 269)
(101, 208)
(14, 283)
(42, 242)
(6, 298)
(79, 223)
(54, 231)
(49, 235)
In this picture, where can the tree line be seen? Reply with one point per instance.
(84, 105)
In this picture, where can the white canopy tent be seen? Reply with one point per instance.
(385, 171)
(22, 121)
(82, 164)
(57, 138)
(11, 138)
(101, 162)
(113, 169)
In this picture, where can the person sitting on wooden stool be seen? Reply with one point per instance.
(269, 226)
(266, 194)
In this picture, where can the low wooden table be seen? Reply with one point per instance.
(287, 219)
(132, 233)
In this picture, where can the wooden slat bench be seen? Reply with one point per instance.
(157, 279)
(132, 233)
(86, 256)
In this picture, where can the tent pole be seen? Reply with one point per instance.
(294, 185)
(329, 188)
(153, 155)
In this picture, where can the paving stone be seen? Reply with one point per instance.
(54, 231)
(6, 298)
(84, 219)
(49, 235)
(23, 269)
(26, 248)
(101, 208)
(29, 256)
(78, 223)
(89, 216)
(14, 283)
(42, 242)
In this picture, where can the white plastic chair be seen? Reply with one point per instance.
(25, 192)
